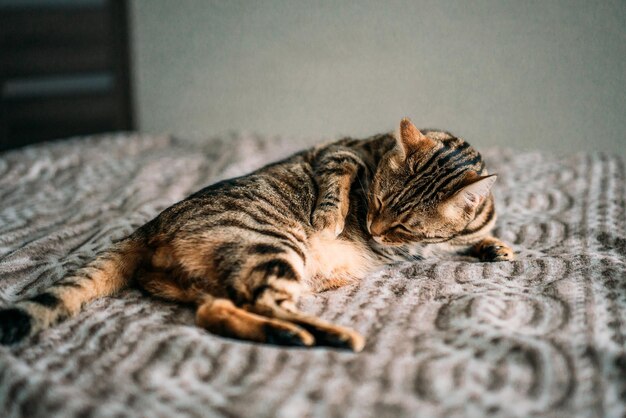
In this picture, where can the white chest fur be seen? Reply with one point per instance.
(334, 262)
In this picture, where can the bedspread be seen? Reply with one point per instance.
(543, 336)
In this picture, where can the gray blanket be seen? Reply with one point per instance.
(543, 336)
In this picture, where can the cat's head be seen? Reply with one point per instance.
(427, 189)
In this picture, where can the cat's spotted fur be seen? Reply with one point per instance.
(244, 250)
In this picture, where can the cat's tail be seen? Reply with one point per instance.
(108, 273)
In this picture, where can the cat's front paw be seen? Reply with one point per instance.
(497, 253)
(492, 249)
(329, 223)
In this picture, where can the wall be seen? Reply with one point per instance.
(527, 74)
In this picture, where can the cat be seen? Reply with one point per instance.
(243, 250)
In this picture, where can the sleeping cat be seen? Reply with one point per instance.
(244, 250)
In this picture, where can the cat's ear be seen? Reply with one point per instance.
(473, 194)
(410, 139)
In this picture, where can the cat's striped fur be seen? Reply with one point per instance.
(244, 249)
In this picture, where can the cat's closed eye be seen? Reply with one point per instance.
(401, 228)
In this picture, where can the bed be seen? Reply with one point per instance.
(543, 336)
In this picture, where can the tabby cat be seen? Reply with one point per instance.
(244, 250)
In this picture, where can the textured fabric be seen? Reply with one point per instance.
(543, 336)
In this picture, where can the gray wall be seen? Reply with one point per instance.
(528, 74)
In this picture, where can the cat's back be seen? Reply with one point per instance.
(265, 213)
(281, 191)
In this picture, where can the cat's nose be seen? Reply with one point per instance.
(379, 240)
(377, 228)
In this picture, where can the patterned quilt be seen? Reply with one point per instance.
(544, 336)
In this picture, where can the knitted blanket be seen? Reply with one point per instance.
(543, 336)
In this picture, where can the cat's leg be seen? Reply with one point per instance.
(273, 288)
(335, 171)
(492, 249)
(222, 317)
(276, 303)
